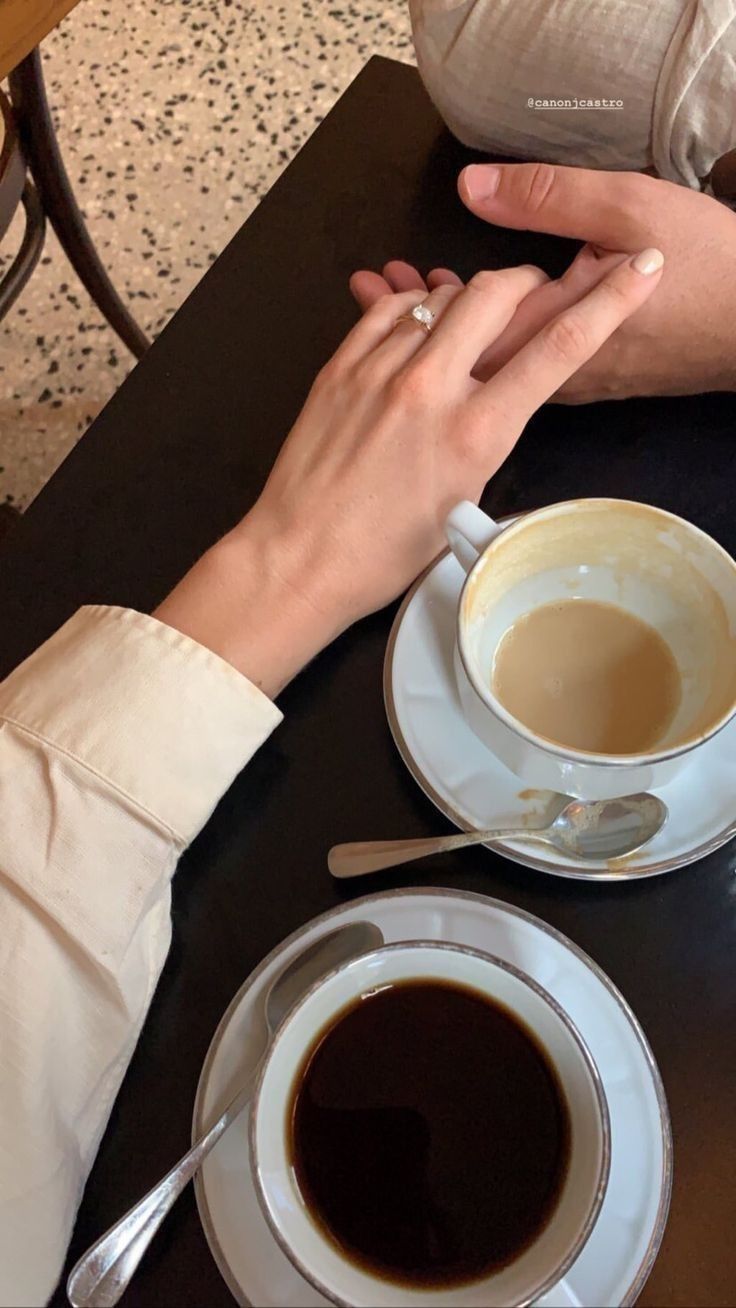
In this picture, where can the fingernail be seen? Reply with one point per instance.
(481, 181)
(648, 262)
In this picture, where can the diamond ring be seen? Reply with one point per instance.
(420, 314)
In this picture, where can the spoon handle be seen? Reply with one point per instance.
(103, 1273)
(364, 856)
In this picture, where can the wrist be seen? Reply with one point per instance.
(251, 600)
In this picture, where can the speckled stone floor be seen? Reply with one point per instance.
(174, 119)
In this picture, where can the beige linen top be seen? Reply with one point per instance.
(117, 738)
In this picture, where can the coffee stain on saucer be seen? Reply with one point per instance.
(546, 804)
(625, 861)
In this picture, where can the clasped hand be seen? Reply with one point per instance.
(396, 429)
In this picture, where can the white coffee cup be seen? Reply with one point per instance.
(642, 559)
(301, 1236)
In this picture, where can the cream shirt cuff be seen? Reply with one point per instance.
(163, 720)
(124, 734)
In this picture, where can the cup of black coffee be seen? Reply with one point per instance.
(430, 1128)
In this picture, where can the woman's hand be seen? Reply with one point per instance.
(394, 432)
(681, 343)
(547, 300)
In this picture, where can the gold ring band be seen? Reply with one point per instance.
(407, 317)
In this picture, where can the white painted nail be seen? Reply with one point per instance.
(648, 262)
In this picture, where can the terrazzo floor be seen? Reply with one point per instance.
(174, 118)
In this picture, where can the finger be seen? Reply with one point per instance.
(612, 209)
(591, 264)
(376, 325)
(573, 337)
(586, 271)
(410, 336)
(479, 313)
(442, 277)
(366, 287)
(403, 277)
(588, 268)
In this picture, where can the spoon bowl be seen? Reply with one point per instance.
(604, 829)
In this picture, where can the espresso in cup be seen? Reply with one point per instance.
(429, 1128)
(430, 1135)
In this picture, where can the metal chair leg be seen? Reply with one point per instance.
(41, 149)
(29, 253)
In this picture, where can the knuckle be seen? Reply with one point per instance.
(567, 338)
(512, 283)
(485, 281)
(415, 385)
(474, 436)
(526, 272)
(638, 193)
(376, 374)
(537, 182)
(384, 308)
(614, 294)
(442, 296)
(385, 302)
(637, 208)
(470, 441)
(367, 376)
(327, 376)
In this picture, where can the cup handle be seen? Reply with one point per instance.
(469, 531)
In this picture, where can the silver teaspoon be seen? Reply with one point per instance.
(596, 830)
(104, 1272)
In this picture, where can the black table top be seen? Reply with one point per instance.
(176, 457)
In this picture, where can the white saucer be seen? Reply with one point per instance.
(475, 791)
(618, 1257)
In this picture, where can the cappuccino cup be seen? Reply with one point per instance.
(549, 598)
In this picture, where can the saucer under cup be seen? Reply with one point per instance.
(615, 1262)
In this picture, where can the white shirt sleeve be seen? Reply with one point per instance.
(117, 739)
